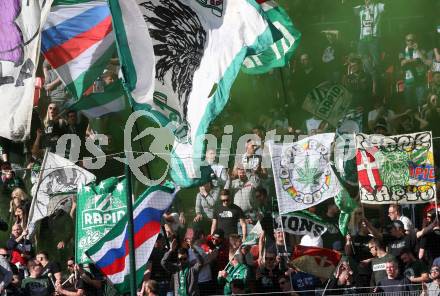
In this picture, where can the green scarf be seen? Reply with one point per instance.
(183, 291)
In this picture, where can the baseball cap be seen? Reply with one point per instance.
(219, 233)
(396, 224)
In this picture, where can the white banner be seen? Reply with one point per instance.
(21, 22)
(302, 173)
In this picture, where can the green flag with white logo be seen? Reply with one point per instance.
(99, 208)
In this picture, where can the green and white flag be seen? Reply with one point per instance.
(302, 222)
(99, 208)
(196, 49)
(111, 100)
(329, 102)
(253, 236)
(279, 54)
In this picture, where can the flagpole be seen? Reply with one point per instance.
(34, 198)
(130, 232)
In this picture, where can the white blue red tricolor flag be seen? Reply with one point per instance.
(111, 253)
(78, 41)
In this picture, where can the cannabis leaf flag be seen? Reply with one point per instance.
(302, 173)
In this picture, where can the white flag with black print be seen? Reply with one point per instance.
(60, 180)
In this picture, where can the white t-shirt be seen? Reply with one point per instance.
(311, 241)
(370, 19)
(407, 224)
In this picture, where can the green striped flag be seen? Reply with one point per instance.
(279, 54)
(95, 105)
(99, 208)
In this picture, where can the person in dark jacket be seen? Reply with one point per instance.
(185, 276)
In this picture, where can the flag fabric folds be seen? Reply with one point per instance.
(198, 50)
(111, 100)
(346, 206)
(99, 208)
(317, 261)
(20, 36)
(302, 173)
(110, 254)
(78, 42)
(280, 52)
(59, 177)
(395, 169)
(329, 102)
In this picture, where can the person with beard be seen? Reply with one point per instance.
(415, 270)
(185, 276)
(432, 288)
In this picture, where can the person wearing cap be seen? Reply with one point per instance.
(415, 270)
(185, 276)
(432, 288)
(395, 213)
(235, 270)
(398, 239)
(217, 241)
(429, 238)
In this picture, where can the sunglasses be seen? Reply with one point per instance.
(269, 258)
(5, 255)
(225, 200)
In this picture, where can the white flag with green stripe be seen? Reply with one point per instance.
(196, 49)
(280, 52)
(95, 105)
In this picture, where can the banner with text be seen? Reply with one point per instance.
(21, 23)
(329, 102)
(99, 208)
(302, 222)
(395, 169)
(302, 173)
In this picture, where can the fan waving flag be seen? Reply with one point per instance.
(279, 54)
(110, 254)
(197, 50)
(78, 42)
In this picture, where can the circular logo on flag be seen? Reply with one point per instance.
(304, 171)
